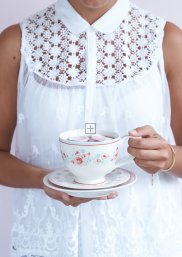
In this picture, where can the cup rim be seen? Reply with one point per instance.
(64, 135)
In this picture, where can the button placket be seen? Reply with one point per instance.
(91, 75)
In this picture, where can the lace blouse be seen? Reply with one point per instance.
(111, 73)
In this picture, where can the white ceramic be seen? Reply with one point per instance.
(64, 178)
(91, 193)
(91, 161)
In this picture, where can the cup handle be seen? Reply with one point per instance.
(128, 159)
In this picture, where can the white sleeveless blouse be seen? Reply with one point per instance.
(111, 73)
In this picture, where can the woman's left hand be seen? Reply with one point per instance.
(152, 153)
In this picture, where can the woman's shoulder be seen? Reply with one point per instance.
(172, 46)
(173, 33)
(10, 44)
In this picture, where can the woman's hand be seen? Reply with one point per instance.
(71, 200)
(152, 153)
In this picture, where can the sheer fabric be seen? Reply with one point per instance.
(117, 80)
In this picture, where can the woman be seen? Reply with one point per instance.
(104, 61)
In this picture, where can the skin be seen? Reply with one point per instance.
(91, 10)
(95, 5)
(152, 153)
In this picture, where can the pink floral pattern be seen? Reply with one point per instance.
(83, 158)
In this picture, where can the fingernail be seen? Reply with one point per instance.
(65, 197)
(133, 132)
(114, 194)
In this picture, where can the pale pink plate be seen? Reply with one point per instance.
(64, 178)
(91, 193)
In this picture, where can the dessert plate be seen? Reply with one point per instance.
(90, 193)
(64, 178)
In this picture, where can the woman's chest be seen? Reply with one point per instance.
(136, 103)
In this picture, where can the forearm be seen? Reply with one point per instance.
(18, 174)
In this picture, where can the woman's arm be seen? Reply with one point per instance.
(173, 65)
(13, 172)
(152, 153)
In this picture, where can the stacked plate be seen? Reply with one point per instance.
(62, 180)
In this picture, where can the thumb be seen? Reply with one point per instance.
(134, 133)
(144, 131)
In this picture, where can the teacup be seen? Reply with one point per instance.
(89, 162)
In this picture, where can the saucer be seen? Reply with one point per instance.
(64, 178)
(90, 193)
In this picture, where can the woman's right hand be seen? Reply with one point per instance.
(71, 200)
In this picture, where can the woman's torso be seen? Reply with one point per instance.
(111, 74)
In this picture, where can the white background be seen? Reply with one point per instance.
(13, 11)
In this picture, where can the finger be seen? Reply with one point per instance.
(79, 200)
(65, 198)
(112, 195)
(50, 192)
(73, 201)
(150, 165)
(108, 197)
(144, 131)
(76, 201)
(82, 200)
(150, 155)
(56, 195)
(75, 205)
(147, 143)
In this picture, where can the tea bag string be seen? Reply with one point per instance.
(91, 75)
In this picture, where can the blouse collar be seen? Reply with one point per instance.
(109, 22)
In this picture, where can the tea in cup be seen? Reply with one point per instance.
(90, 157)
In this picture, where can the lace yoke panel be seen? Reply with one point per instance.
(56, 54)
